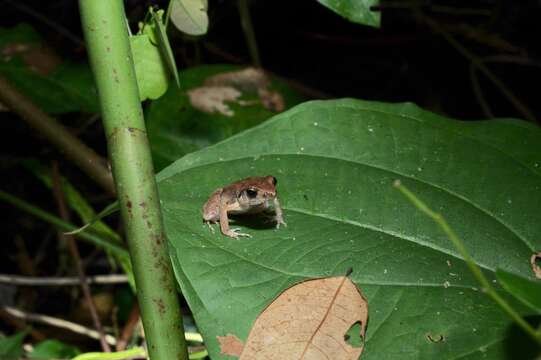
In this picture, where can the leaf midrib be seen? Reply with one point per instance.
(484, 211)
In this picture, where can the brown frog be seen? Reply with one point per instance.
(248, 196)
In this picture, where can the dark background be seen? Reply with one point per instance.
(405, 60)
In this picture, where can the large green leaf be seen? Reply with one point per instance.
(335, 162)
(358, 11)
(67, 87)
(176, 128)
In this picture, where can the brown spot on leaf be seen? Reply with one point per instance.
(535, 260)
(435, 339)
(228, 86)
(38, 57)
(247, 80)
(230, 345)
(310, 321)
(271, 100)
(211, 99)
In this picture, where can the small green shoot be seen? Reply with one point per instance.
(459, 245)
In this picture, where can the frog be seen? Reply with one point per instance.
(251, 195)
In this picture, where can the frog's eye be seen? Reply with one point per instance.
(252, 193)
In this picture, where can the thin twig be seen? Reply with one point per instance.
(519, 60)
(249, 34)
(21, 325)
(72, 148)
(478, 63)
(450, 10)
(62, 281)
(479, 93)
(294, 84)
(73, 249)
(129, 327)
(56, 322)
(52, 24)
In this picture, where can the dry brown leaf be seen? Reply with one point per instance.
(536, 269)
(211, 99)
(309, 321)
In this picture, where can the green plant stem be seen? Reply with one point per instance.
(111, 60)
(115, 249)
(72, 148)
(249, 33)
(119, 355)
(459, 245)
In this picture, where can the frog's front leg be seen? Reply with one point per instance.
(224, 222)
(279, 217)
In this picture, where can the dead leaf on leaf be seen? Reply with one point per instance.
(247, 80)
(536, 269)
(212, 99)
(271, 100)
(230, 345)
(39, 58)
(250, 80)
(309, 321)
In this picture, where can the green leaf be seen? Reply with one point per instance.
(335, 162)
(95, 221)
(68, 87)
(165, 47)
(53, 349)
(525, 290)
(11, 347)
(150, 68)
(76, 82)
(176, 128)
(357, 11)
(78, 203)
(190, 16)
(19, 34)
